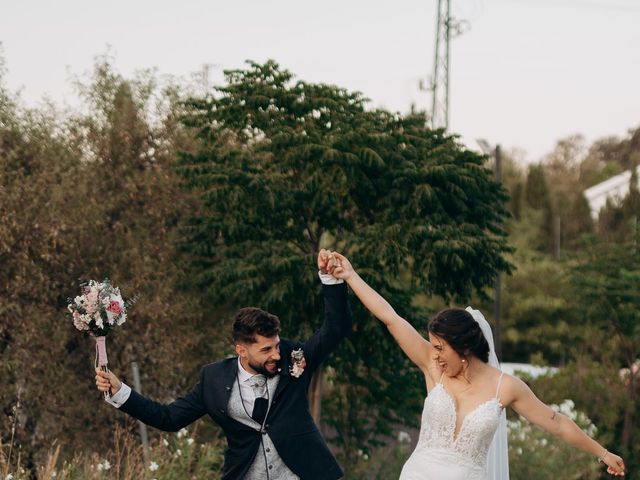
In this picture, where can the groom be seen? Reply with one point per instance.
(259, 398)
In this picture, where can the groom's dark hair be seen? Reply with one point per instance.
(461, 331)
(250, 321)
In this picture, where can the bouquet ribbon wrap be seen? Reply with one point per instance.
(101, 352)
(101, 357)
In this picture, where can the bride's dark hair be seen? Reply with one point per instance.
(461, 331)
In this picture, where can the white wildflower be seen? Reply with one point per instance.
(153, 466)
(164, 442)
(189, 441)
(182, 433)
(404, 437)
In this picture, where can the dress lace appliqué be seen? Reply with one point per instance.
(440, 453)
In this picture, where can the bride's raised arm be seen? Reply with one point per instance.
(414, 345)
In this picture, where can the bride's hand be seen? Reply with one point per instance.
(615, 464)
(343, 268)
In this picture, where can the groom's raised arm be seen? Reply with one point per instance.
(336, 325)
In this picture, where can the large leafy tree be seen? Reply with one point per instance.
(88, 195)
(608, 281)
(287, 167)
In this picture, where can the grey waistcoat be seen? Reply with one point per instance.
(267, 464)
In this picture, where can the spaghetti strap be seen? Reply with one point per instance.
(441, 377)
(499, 382)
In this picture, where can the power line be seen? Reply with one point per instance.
(634, 7)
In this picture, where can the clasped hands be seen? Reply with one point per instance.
(335, 264)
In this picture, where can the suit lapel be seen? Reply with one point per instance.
(224, 385)
(285, 378)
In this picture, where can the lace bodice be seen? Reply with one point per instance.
(472, 442)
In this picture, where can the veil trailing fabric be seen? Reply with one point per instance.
(498, 458)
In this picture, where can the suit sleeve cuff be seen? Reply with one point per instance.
(328, 279)
(119, 398)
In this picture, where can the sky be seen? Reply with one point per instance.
(523, 74)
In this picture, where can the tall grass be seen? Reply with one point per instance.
(172, 457)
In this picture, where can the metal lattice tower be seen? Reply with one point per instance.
(446, 29)
(440, 85)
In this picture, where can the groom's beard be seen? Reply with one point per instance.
(262, 369)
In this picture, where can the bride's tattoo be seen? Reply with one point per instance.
(553, 417)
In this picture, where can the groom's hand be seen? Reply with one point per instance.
(323, 261)
(107, 382)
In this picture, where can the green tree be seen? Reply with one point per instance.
(539, 199)
(536, 189)
(287, 167)
(607, 282)
(539, 319)
(88, 195)
(618, 221)
(578, 222)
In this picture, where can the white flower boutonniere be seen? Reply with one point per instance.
(298, 363)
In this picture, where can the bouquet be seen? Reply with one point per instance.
(97, 310)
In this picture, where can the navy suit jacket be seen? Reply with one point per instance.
(289, 423)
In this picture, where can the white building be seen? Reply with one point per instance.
(614, 188)
(533, 371)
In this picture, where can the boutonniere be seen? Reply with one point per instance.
(298, 363)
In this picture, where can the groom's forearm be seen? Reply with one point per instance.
(336, 325)
(172, 417)
(337, 314)
(169, 418)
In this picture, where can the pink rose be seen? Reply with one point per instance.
(115, 308)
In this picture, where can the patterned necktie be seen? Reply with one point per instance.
(261, 404)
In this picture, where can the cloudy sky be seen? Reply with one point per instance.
(524, 73)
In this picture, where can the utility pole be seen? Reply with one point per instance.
(144, 437)
(440, 99)
(497, 297)
(446, 29)
(496, 153)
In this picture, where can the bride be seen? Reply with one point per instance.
(463, 433)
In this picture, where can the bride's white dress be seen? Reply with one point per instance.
(440, 454)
